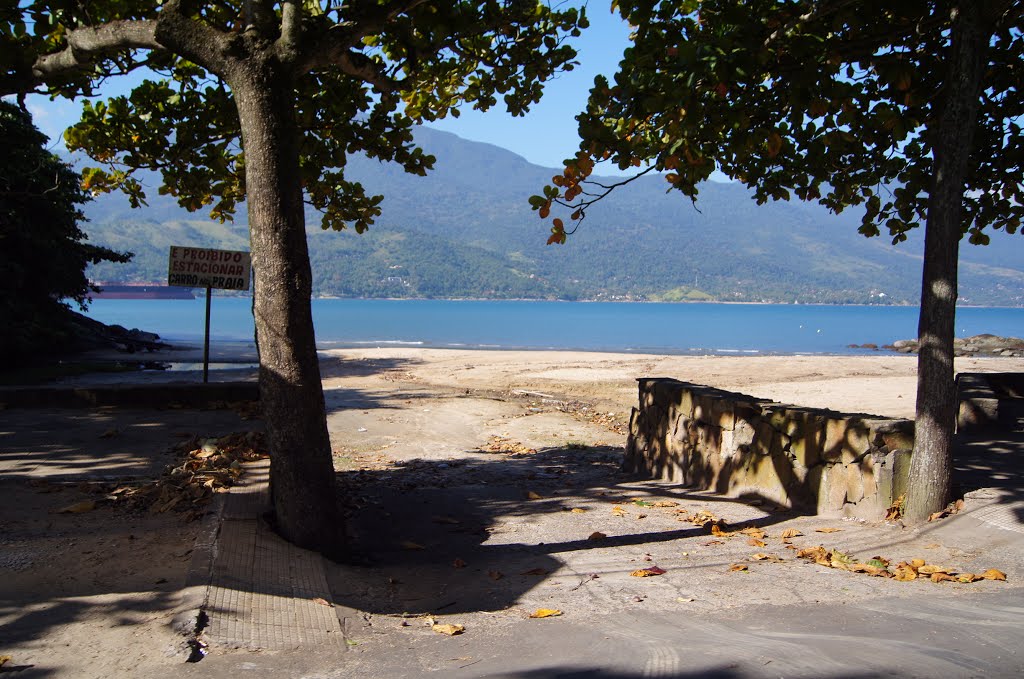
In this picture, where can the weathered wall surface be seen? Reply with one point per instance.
(805, 458)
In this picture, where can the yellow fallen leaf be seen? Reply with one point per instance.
(618, 511)
(4, 659)
(648, 572)
(545, 613)
(968, 577)
(790, 533)
(761, 556)
(993, 574)
(449, 629)
(737, 567)
(754, 542)
(409, 544)
(827, 530)
(755, 533)
(942, 577)
(869, 569)
(905, 572)
(578, 510)
(666, 503)
(917, 563)
(719, 533)
(930, 569)
(597, 535)
(534, 496)
(322, 602)
(78, 507)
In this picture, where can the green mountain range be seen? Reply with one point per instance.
(467, 231)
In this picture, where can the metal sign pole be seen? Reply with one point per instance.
(206, 341)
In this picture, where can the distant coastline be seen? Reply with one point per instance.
(141, 291)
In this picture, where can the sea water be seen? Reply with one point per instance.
(699, 328)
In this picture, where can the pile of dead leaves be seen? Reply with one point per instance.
(904, 571)
(501, 444)
(207, 466)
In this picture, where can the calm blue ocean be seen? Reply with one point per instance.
(593, 326)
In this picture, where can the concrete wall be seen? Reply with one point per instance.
(805, 458)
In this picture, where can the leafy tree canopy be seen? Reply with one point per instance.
(43, 253)
(363, 73)
(826, 100)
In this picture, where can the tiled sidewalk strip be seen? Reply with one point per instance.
(262, 589)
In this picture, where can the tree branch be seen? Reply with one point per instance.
(88, 44)
(335, 46)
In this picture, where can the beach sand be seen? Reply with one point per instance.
(876, 384)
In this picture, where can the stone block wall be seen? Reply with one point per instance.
(804, 458)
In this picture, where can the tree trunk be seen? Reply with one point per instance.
(932, 461)
(301, 467)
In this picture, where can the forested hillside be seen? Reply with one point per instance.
(466, 230)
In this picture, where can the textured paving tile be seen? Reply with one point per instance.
(262, 589)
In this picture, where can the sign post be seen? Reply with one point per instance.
(204, 267)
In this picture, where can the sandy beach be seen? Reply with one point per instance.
(878, 384)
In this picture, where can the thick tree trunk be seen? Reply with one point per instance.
(931, 465)
(301, 469)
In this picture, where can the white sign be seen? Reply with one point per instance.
(207, 268)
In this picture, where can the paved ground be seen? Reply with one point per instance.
(483, 538)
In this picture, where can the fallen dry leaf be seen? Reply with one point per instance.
(597, 535)
(648, 572)
(618, 511)
(578, 510)
(409, 544)
(495, 575)
(713, 542)
(993, 574)
(322, 602)
(929, 569)
(754, 542)
(78, 507)
(703, 517)
(458, 563)
(448, 629)
(827, 530)
(535, 571)
(917, 563)
(905, 572)
(761, 556)
(942, 576)
(545, 613)
(968, 577)
(737, 567)
(666, 503)
(534, 496)
(719, 533)
(791, 533)
(755, 533)
(4, 659)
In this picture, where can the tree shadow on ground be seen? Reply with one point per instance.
(994, 460)
(341, 366)
(475, 534)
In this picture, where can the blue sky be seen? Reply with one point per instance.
(544, 137)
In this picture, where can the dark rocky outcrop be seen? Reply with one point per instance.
(978, 345)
